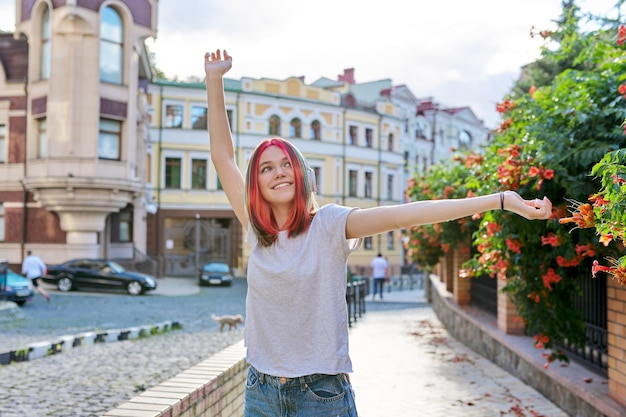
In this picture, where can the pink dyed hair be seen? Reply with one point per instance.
(260, 212)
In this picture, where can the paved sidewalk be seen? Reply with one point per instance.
(407, 365)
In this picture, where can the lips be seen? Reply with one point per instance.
(281, 185)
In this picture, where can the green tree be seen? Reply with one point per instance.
(559, 120)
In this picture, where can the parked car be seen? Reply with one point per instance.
(98, 273)
(215, 273)
(17, 288)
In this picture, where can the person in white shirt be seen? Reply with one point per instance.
(34, 268)
(380, 271)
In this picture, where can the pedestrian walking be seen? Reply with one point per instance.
(380, 273)
(296, 330)
(34, 268)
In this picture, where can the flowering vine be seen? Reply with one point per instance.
(552, 135)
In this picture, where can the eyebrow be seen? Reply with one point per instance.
(269, 162)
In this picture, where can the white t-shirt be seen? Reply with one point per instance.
(33, 267)
(296, 314)
(379, 267)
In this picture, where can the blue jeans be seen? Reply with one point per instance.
(314, 395)
(378, 286)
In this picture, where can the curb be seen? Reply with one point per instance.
(65, 343)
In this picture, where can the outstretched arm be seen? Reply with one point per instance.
(375, 220)
(222, 149)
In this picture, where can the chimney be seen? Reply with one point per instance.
(348, 76)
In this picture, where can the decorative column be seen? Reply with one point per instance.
(616, 326)
(462, 286)
(509, 321)
(448, 266)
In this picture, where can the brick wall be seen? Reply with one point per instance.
(214, 387)
(616, 325)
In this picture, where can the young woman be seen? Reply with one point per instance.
(296, 330)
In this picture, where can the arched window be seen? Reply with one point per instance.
(465, 139)
(44, 70)
(111, 46)
(274, 126)
(390, 142)
(295, 128)
(316, 130)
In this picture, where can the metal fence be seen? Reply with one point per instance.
(484, 293)
(356, 291)
(591, 302)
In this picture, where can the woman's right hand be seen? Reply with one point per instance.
(214, 64)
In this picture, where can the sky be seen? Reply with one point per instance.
(459, 52)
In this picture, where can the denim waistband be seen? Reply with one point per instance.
(280, 381)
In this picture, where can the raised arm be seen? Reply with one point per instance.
(222, 149)
(375, 220)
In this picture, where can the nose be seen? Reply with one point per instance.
(280, 171)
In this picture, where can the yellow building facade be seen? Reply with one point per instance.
(355, 151)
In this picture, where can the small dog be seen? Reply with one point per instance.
(231, 321)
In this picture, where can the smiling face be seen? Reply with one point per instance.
(276, 177)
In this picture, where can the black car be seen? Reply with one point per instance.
(98, 273)
(215, 273)
(16, 288)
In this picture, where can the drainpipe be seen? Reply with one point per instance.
(237, 145)
(434, 135)
(238, 127)
(343, 160)
(160, 243)
(25, 199)
(380, 161)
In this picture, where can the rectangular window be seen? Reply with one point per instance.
(198, 117)
(174, 116)
(367, 243)
(1, 222)
(3, 144)
(369, 137)
(109, 139)
(229, 116)
(353, 135)
(122, 226)
(198, 174)
(389, 187)
(390, 240)
(352, 183)
(172, 173)
(42, 138)
(318, 179)
(368, 185)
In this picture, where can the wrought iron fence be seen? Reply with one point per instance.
(591, 302)
(484, 293)
(356, 291)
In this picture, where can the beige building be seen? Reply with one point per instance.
(72, 129)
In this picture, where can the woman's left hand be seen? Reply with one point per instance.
(535, 209)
